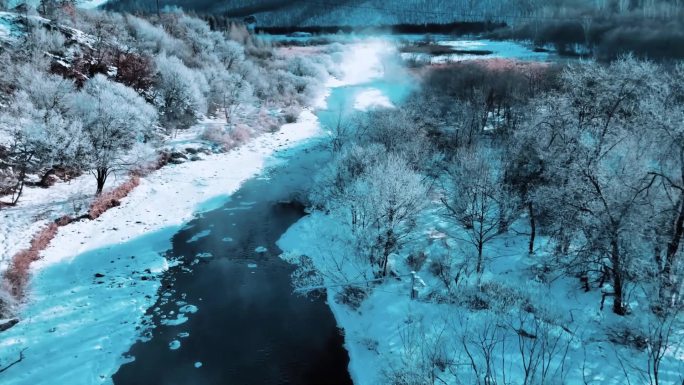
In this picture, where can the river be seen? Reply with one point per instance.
(226, 313)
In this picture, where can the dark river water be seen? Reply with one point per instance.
(248, 328)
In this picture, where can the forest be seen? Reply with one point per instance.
(583, 162)
(604, 28)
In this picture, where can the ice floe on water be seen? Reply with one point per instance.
(192, 309)
(199, 235)
(179, 320)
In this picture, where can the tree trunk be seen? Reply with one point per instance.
(618, 306)
(389, 245)
(101, 177)
(533, 227)
(44, 179)
(479, 258)
(18, 190)
(667, 284)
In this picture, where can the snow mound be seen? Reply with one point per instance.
(371, 98)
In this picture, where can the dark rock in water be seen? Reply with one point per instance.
(6, 324)
(99, 275)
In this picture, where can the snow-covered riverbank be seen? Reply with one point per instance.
(90, 291)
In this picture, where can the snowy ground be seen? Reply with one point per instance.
(391, 334)
(89, 293)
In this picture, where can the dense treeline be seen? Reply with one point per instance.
(605, 29)
(280, 13)
(605, 37)
(91, 91)
(588, 157)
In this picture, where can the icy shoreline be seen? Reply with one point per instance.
(90, 291)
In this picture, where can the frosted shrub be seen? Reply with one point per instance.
(240, 133)
(153, 39)
(228, 138)
(291, 114)
(306, 67)
(112, 198)
(351, 296)
(47, 40)
(218, 135)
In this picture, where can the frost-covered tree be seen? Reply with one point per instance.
(229, 53)
(114, 118)
(391, 196)
(398, 133)
(524, 175)
(668, 132)
(379, 197)
(475, 198)
(598, 161)
(41, 131)
(179, 93)
(227, 91)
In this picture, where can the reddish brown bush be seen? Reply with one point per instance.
(135, 71)
(16, 274)
(112, 198)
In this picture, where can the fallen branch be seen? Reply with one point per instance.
(21, 358)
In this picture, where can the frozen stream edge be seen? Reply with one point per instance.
(77, 326)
